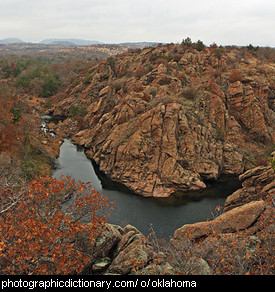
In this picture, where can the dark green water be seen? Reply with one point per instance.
(165, 215)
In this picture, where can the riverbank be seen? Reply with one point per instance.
(163, 215)
(171, 118)
(239, 241)
(159, 121)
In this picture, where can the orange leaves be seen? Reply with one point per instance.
(218, 208)
(37, 237)
(2, 246)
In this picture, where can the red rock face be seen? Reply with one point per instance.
(237, 219)
(247, 220)
(170, 118)
(257, 184)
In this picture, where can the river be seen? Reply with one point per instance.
(162, 215)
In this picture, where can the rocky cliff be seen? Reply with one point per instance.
(173, 118)
(239, 240)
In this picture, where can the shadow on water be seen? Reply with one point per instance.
(220, 189)
(164, 214)
(214, 190)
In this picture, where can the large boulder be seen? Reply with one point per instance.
(237, 219)
(122, 251)
(131, 253)
(101, 248)
(257, 183)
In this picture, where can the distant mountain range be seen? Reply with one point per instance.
(73, 42)
(140, 45)
(60, 42)
(70, 42)
(11, 41)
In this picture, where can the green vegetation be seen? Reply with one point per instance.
(77, 110)
(35, 160)
(16, 110)
(12, 68)
(44, 74)
(42, 78)
(252, 48)
(272, 160)
(51, 86)
(200, 45)
(187, 42)
(111, 62)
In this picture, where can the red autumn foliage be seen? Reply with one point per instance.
(38, 237)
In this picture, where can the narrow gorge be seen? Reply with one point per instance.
(180, 137)
(172, 119)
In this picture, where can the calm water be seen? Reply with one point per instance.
(165, 215)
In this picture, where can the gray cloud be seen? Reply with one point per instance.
(237, 22)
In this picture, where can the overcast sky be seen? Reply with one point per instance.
(233, 22)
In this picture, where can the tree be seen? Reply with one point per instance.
(250, 47)
(16, 110)
(38, 237)
(187, 42)
(200, 45)
(111, 62)
(50, 86)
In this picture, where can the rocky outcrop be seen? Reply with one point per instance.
(243, 234)
(242, 209)
(170, 118)
(237, 219)
(233, 242)
(123, 251)
(257, 183)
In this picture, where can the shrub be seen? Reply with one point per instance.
(183, 79)
(189, 93)
(50, 86)
(117, 84)
(111, 62)
(77, 110)
(164, 80)
(187, 42)
(272, 161)
(87, 79)
(200, 45)
(168, 57)
(235, 76)
(153, 91)
(177, 57)
(251, 48)
(138, 87)
(220, 135)
(218, 53)
(37, 237)
(16, 110)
